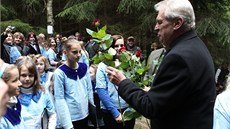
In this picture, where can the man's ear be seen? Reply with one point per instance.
(64, 51)
(178, 23)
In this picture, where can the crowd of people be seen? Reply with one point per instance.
(53, 82)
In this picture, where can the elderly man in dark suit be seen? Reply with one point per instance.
(183, 92)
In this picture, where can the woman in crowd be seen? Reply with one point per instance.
(51, 52)
(35, 101)
(12, 51)
(112, 104)
(42, 42)
(31, 45)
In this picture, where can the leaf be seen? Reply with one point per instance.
(103, 46)
(110, 63)
(104, 28)
(124, 57)
(96, 40)
(141, 71)
(106, 37)
(108, 56)
(90, 32)
(101, 57)
(124, 65)
(146, 82)
(96, 59)
(130, 114)
(101, 33)
(108, 42)
(94, 35)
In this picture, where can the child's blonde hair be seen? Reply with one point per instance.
(29, 63)
(69, 43)
(44, 59)
(6, 74)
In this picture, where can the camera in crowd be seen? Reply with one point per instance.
(11, 29)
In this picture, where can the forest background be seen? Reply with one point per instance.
(125, 17)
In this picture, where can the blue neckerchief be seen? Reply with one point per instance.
(74, 73)
(43, 79)
(13, 114)
(25, 99)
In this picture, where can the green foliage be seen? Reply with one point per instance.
(130, 6)
(129, 63)
(216, 27)
(125, 17)
(105, 41)
(22, 27)
(128, 115)
(31, 6)
(7, 12)
(79, 11)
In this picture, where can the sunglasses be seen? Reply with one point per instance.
(121, 45)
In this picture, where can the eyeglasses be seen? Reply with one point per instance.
(121, 45)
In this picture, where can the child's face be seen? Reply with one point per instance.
(74, 54)
(17, 39)
(26, 78)
(40, 65)
(14, 83)
(92, 73)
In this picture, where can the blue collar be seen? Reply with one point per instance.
(43, 79)
(13, 114)
(25, 99)
(74, 73)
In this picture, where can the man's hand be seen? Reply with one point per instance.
(115, 75)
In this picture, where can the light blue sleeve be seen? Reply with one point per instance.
(14, 54)
(60, 102)
(43, 51)
(51, 55)
(49, 104)
(221, 118)
(89, 88)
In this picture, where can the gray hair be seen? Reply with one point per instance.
(178, 8)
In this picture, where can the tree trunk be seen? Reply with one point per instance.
(50, 19)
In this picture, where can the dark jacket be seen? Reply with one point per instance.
(183, 92)
(28, 49)
(5, 54)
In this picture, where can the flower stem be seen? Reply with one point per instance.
(119, 102)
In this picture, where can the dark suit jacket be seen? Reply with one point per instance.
(28, 49)
(183, 92)
(5, 54)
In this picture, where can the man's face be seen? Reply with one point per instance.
(164, 28)
(130, 42)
